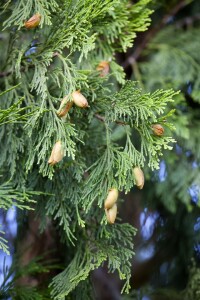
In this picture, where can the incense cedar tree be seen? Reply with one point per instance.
(65, 99)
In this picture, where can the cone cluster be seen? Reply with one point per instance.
(77, 98)
(57, 153)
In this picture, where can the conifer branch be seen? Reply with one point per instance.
(22, 69)
(87, 162)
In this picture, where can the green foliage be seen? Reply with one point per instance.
(171, 60)
(46, 64)
(22, 10)
(10, 196)
(190, 292)
(178, 62)
(116, 249)
(15, 113)
(10, 286)
(182, 178)
(3, 243)
(174, 62)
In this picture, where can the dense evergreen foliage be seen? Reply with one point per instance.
(76, 46)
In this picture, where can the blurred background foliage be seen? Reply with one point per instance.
(167, 211)
(168, 251)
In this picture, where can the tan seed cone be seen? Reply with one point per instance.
(139, 177)
(33, 22)
(111, 214)
(104, 68)
(79, 99)
(56, 154)
(64, 107)
(111, 198)
(157, 129)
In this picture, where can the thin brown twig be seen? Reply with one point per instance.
(5, 74)
(102, 119)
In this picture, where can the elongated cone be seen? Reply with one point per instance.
(111, 198)
(64, 107)
(104, 68)
(33, 22)
(57, 153)
(157, 129)
(139, 177)
(111, 214)
(79, 99)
